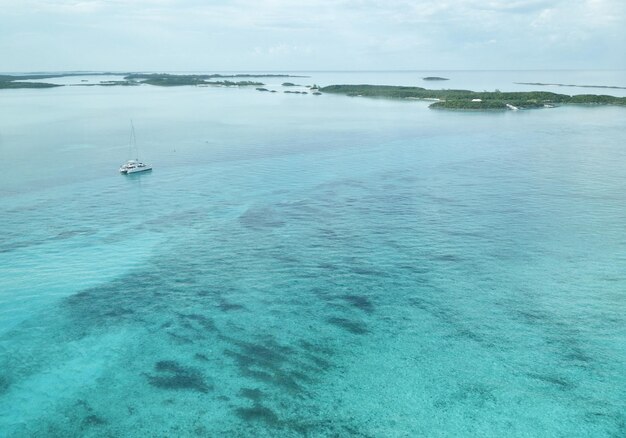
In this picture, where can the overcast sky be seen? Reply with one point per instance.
(221, 35)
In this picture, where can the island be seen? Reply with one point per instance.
(172, 80)
(235, 83)
(16, 81)
(435, 78)
(18, 84)
(571, 85)
(158, 79)
(473, 100)
(443, 98)
(107, 84)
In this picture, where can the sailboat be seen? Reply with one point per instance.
(133, 166)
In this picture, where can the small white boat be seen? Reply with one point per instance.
(134, 166)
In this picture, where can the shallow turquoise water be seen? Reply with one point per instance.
(317, 266)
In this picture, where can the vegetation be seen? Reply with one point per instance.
(571, 85)
(9, 78)
(170, 80)
(600, 99)
(493, 104)
(151, 76)
(14, 81)
(17, 84)
(234, 84)
(472, 100)
(446, 99)
(159, 79)
(53, 75)
(108, 84)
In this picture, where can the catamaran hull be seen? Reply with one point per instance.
(135, 170)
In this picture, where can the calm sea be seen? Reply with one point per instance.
(300, 265)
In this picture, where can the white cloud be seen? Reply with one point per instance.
(338, 34)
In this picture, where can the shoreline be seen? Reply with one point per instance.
(443, 99)
(475, 100)
(614, 87)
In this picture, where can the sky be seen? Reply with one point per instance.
(282, 35)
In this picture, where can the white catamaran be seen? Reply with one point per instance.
(134, 166)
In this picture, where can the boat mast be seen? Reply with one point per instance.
(132, 142)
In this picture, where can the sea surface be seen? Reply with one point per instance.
(300, 265)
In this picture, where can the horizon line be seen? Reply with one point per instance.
(301, 71)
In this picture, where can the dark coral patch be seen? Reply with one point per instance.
(259, 413)
(200, 356)
(253, 394)
(180, 339)
(269, 363)
(227, 307)
(354, 327)
(360, 302)
(185, 381)
(261, 217)
(319, 362)
(94, 420)
(169, 365)
(172, 375)
(448, 258)
(4, 384)
(201, 320)
(555, 380)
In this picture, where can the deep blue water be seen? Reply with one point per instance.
(310, 266)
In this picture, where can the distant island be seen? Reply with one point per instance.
(443, 99)
(171, 80)
(15, 81)
(106, 84)
(570, 85)
(435, 78)
(472, 100)
(18, 84)
(158, 79)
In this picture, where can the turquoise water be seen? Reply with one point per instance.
(309, 266)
